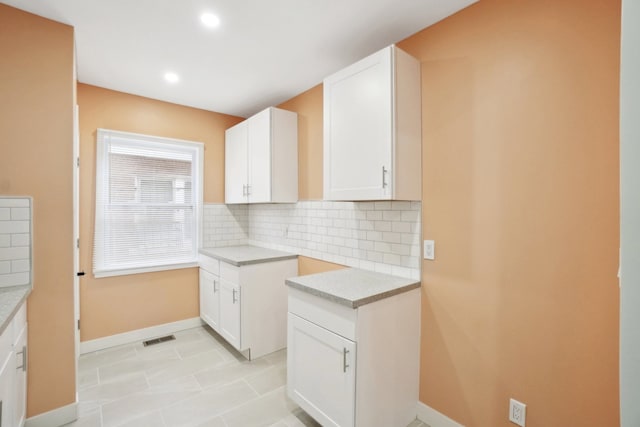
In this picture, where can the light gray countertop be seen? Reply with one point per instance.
(352, 287)
(11, 299)
(245, 255)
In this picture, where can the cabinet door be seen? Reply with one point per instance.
(209, 298)
(321, 372)
(259, 143)
(235, 172)
(7, 402)
(230, 312)
(358, 130)
(20, 384)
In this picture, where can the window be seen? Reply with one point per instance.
(148, 199)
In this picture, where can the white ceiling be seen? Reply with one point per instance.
(263, 53)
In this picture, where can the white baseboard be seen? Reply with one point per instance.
(433, 418)
(57, 417)
(139, 335)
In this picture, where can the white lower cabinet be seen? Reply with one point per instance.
(209, 297)
(230, 312)
(323, 372)
(6, 389)
(354, 366)
(13, 371)
(20, 380)
(247, 304)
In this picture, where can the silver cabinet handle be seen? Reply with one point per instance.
(384, 177)
(234, 296)
(248, 190)
(214, 286)
(344, 360)
(24, 359)
(244, 190)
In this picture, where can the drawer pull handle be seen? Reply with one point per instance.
(24, 359)
(234, 296)
(344, 360)
(215, 289)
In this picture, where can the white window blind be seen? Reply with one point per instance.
(148, 200)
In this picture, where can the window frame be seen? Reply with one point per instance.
(103, 140)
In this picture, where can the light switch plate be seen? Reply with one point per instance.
(429, 251)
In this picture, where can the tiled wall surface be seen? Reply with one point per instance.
(378, 236)
(15, 241)
(225, 225)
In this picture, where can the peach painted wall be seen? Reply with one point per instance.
(308, 265)
(120, 304)
(308, 105)
(36, 152)
(520, 192)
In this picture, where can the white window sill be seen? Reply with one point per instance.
(126, 271)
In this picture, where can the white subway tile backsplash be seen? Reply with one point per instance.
(20, 266)
(22, 239)
(7, 227)
(14, 279)
(20, 214)
(15, 202)
(9, 254)
(380, 236)
(15, 241)
(382, 226)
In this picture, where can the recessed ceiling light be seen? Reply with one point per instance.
(210, 20)
(171, 77)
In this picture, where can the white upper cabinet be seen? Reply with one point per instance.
(372, 129)
(261, 158)
(236, 170)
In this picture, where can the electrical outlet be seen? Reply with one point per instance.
(429, 249)
(517, 412)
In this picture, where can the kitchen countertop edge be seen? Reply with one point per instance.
(259, 260)
(11, 298)
(356, 302)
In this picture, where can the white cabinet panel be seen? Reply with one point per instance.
(321, 372)
(7, 393)
(261, 158)
(372, 146)
(13, 371)
(247, 305)
(368, 381)
(20, 384)
(235, 184)
(230, 312)
(209, 298)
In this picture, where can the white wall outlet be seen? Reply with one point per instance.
(429, 249)
(517, 412)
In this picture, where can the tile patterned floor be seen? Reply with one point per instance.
(198, 380)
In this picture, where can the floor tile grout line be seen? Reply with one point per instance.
(251, 387)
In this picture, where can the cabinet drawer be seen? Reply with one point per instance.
(230, 272)
(210, 264)
(329, 315)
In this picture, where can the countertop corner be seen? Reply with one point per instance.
(352, 287)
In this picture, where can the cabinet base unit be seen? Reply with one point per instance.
(13, 370)
(354, 366)
(247, 303)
